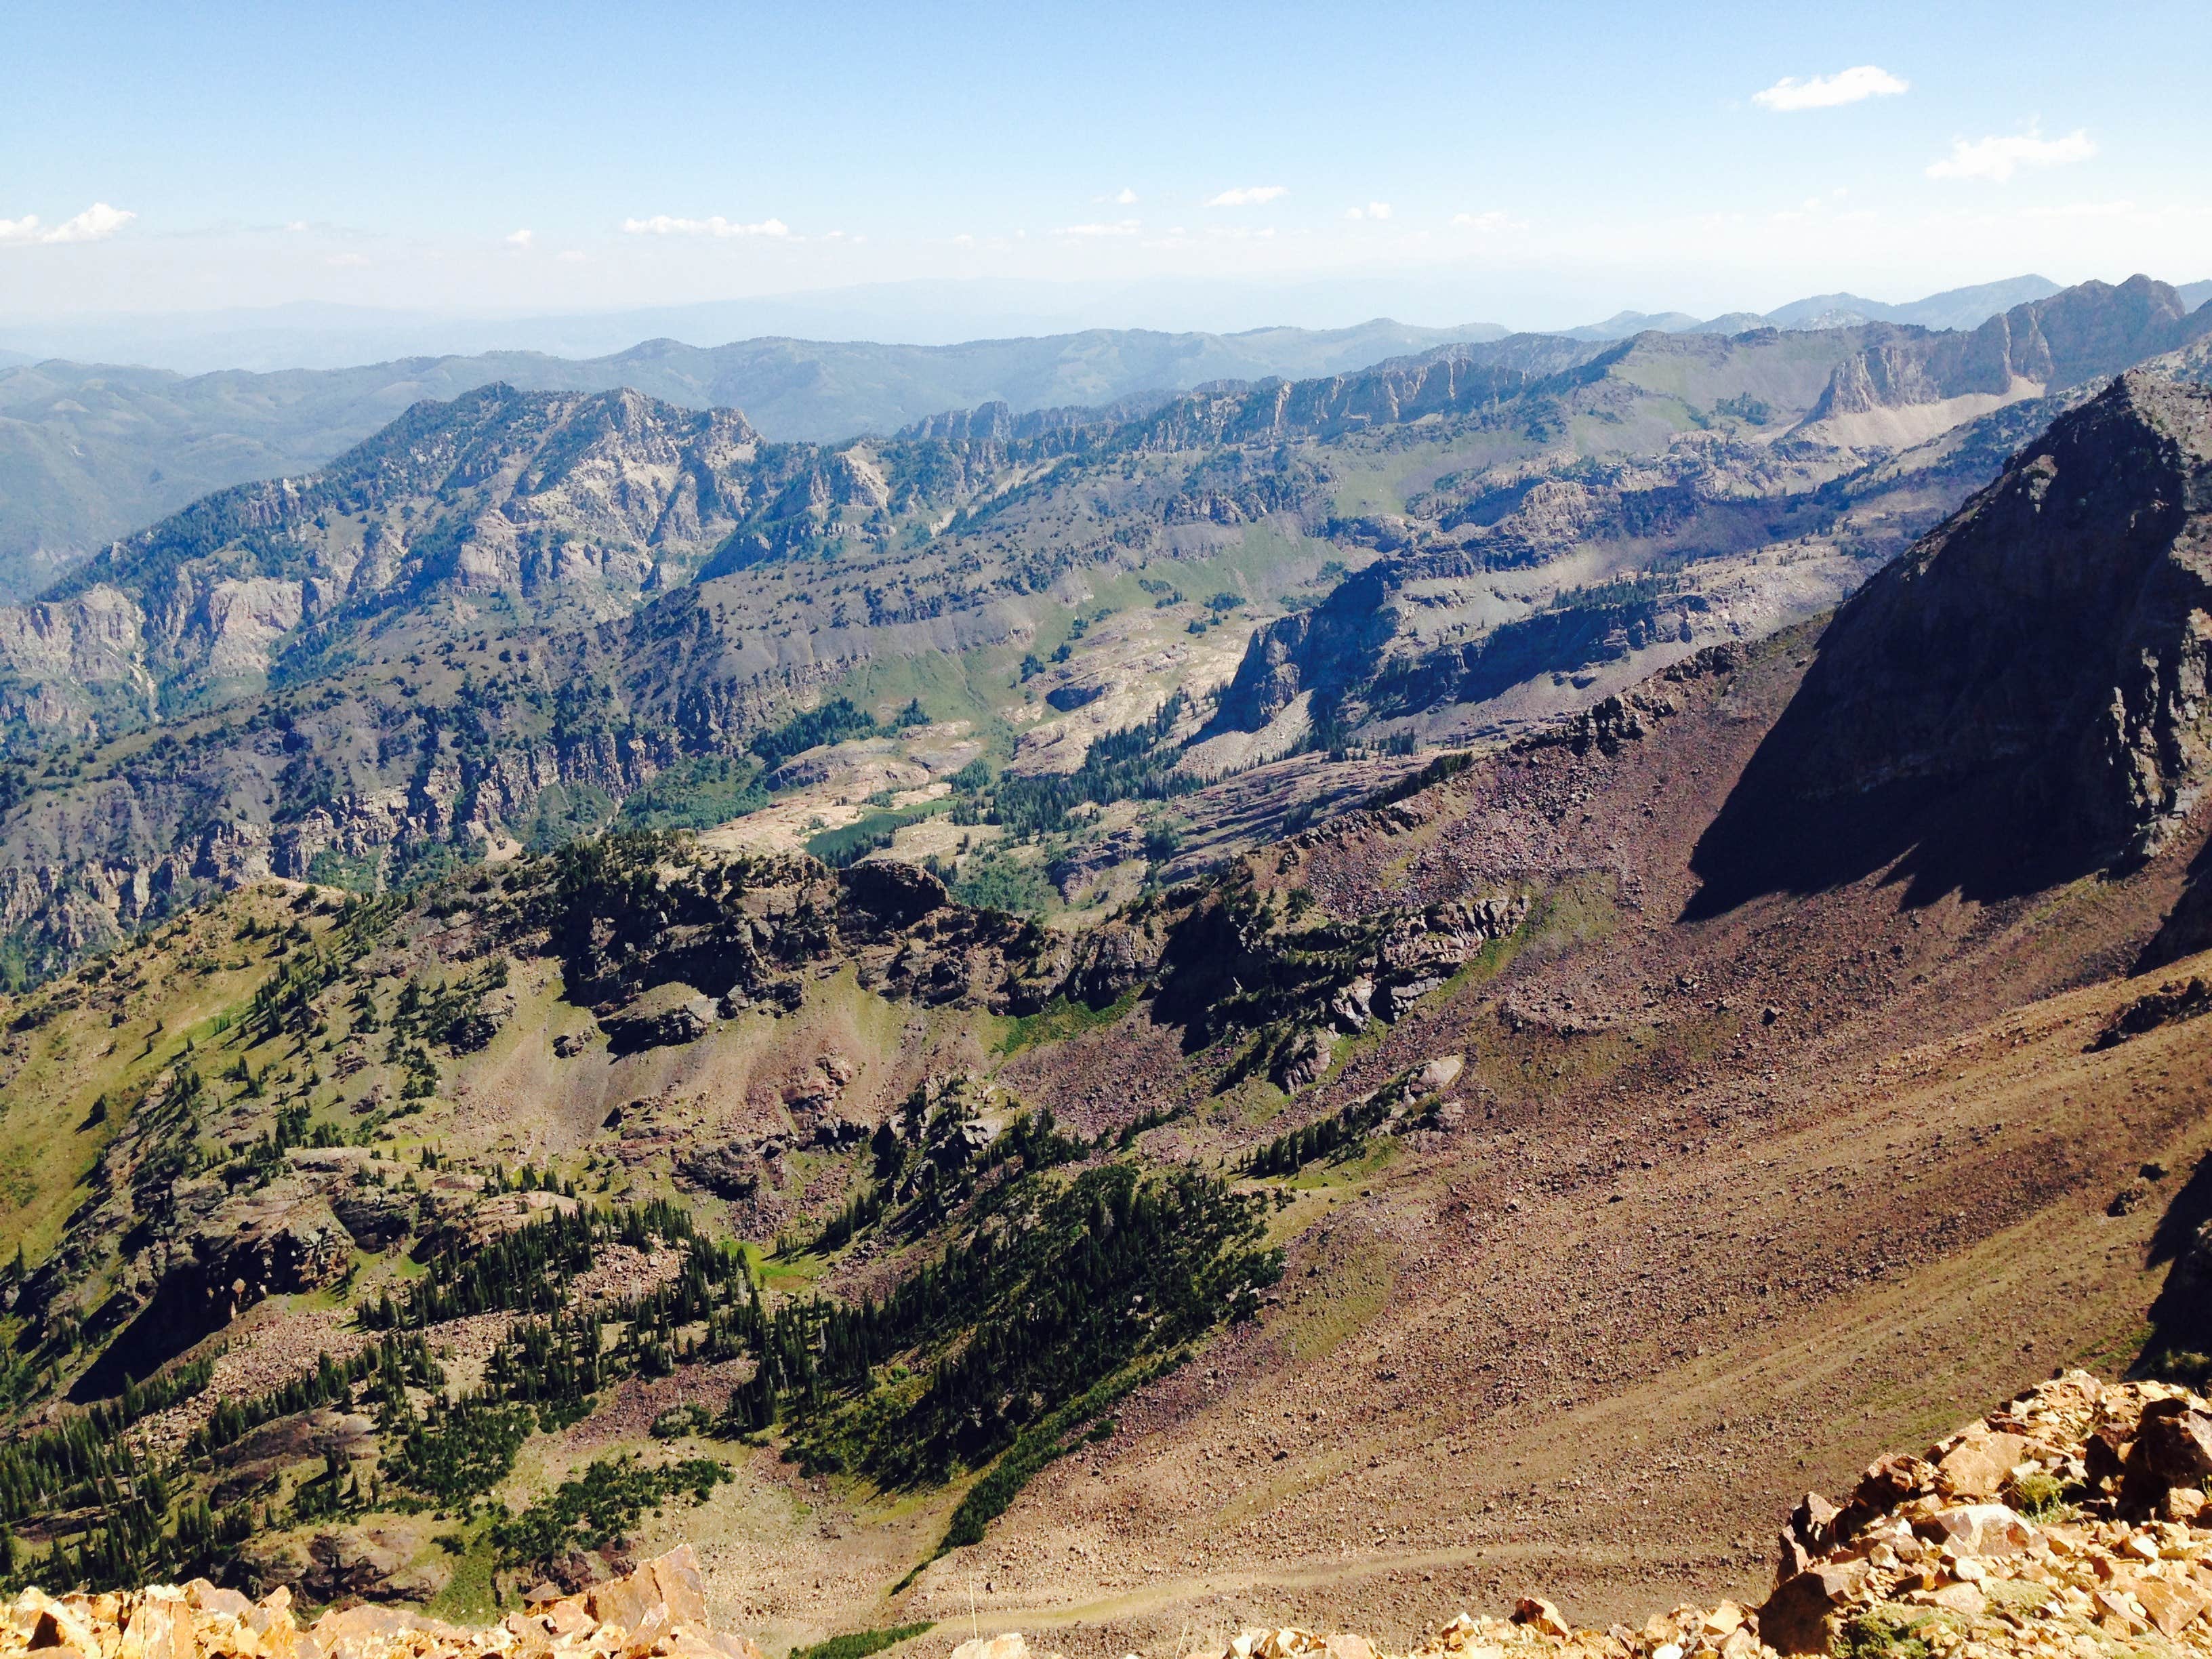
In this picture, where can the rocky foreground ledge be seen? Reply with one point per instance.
(2074, 1521)
(659, 1609)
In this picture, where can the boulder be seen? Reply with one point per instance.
(1300, 1061)
(1980, 1464)
(1440, 1074)
(1796, 1619)
(1814, 1523)
(2173, 1445)
(1012, 1645)
(1977, 1530)
(1352, 1008)
(2172, 1603)
(1541, 1616)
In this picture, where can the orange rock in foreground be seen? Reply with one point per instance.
(658, 1611)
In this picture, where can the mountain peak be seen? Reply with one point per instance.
(2021, 698)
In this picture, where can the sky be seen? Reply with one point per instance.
(1534, 165)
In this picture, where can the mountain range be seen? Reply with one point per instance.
(90, 450)
(1539, 1169)
(506, 615)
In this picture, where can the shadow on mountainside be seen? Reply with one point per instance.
(1987, 838)
(2188, 927)
(171, 1323)
(2180, 1317)
(2014, 702)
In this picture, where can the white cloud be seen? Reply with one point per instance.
(1998, 157)
(1372, 210)
(569, 255)
(1249, 196)
(96, 224)
(520, 239)
(662, 225)
(296, 225)
(345, 260)
(1119, 228)
(1122, 197)
(1486, 223)
(1826, 91)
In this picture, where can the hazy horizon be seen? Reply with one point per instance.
(310, 334)
(987, 171)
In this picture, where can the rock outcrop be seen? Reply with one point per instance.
(657, 1612)
(2072, 1520)
(2023, 696)
(2076, 336)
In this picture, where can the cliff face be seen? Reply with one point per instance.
(2025, 690)
(2078, 334)
(575, 503)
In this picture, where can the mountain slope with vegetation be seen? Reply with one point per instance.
(1559, 1119)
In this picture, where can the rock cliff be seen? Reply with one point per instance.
(2024, 695)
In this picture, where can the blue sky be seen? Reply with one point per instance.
(1538, 164)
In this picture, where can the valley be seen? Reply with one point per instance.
(1322, 1001)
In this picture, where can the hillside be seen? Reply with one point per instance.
(2063, 1521)
(1558, 1119)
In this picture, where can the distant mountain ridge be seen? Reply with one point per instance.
(1954, 308)
(89, 452)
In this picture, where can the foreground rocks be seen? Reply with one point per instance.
(2073, 1522)
(658, 1611)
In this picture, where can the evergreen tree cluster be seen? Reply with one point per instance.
(525, 1270)
(599, 1507)
(1054, 1287)
(88, 1465)
(456, 1449)
(1133, 762)
(255, 1163)
(1342, 1131)
(832, 721)
(156, 1394)
(387, 1369)
(451, 1014)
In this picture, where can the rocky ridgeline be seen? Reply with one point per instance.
(657, 1612)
